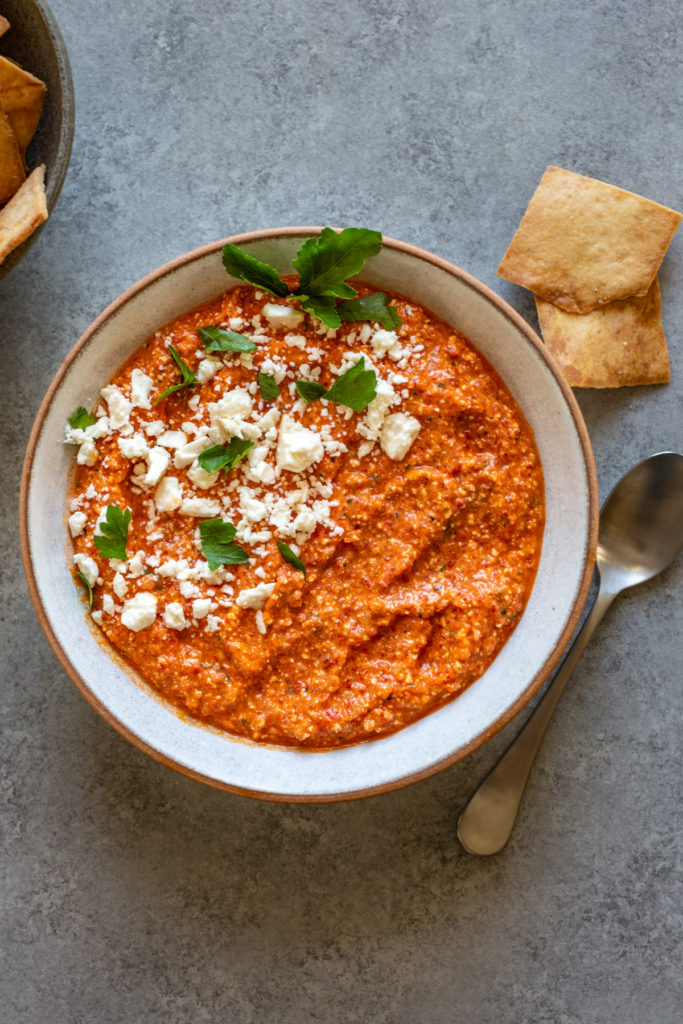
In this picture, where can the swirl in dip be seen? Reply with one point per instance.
(418, 520)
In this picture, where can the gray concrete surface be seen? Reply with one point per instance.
(131, 894)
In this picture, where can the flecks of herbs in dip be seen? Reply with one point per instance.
(306, 512)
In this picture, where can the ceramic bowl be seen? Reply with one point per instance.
(443, 736)
(35, 42)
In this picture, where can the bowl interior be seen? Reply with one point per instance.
(439, 738)
(35, 42)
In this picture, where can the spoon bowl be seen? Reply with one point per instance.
(641, 523)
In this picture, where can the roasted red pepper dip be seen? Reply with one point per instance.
(419, 522)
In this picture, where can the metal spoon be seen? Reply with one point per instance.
(641, 532)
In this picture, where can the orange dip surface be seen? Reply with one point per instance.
(418, 565)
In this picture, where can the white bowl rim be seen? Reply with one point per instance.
(525, 696)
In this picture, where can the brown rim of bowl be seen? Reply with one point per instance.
(482, 737)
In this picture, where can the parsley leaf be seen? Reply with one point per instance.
(113, 536)
(224, 456)
(269, 389)
(188, 375)
(356, 388)
(215, 339)
(238, 264)
(326, 261)
(217, 544)
(290, 557)
(81, 419)
(310, 390)
(323, 307)
(375, 307)
(88, 588)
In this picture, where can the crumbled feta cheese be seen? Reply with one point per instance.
(398, 433)
(189, 589)
(77, 523)
(139, 612)
(119, 406)
(157, 463)
(202, 508)
(172, 439)
(201, 607)
(255, 597)
(140, 389)
(207, 369)
(155, 428)
(136, 565)
(108, 606)
(119, 586)
(282, 316)
(229, 414)
(87, 453)
(88, 567)
(260, 623)
(213, 623)
(174, 616)
(134, 447)
(297, 446)
(168, 495)
(200, 477)
(186, 455)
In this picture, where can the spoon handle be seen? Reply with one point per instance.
(486, 823)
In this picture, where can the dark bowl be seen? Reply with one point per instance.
(35, 42)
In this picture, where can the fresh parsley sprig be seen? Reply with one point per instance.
(188, 375)
(217, 538)
(376, 307)
(112, 539)
(81, 418)
(268, 386)
(324, 264)
(290, 557)
(224, 456)
(86, 582)
(215, 339)
(355, 388)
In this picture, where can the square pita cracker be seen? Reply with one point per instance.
(620, 344)
(22, 97)
(23, 213)
(583, 243)
(12, 172)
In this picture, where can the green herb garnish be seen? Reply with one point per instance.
(238, 264)
(112, 539)
(81, 419)
(310, 390)
(217, 544)
(215, 339)
(355, 389)
(324, 264)
(269, 389)
(86, 582)
(188, 375)
(375, 307)
(290, 557)
(224, 456)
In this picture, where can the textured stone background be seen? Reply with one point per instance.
(131, 894)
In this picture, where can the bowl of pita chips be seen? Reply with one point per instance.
(36, 123)
(590, 252)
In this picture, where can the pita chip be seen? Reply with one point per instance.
(23, 213)
(22, 96)
(4, 25)
(582, 243)
(622, 343)
(12, 171)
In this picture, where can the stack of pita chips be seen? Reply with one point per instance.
(22, 199)
(590, 252)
